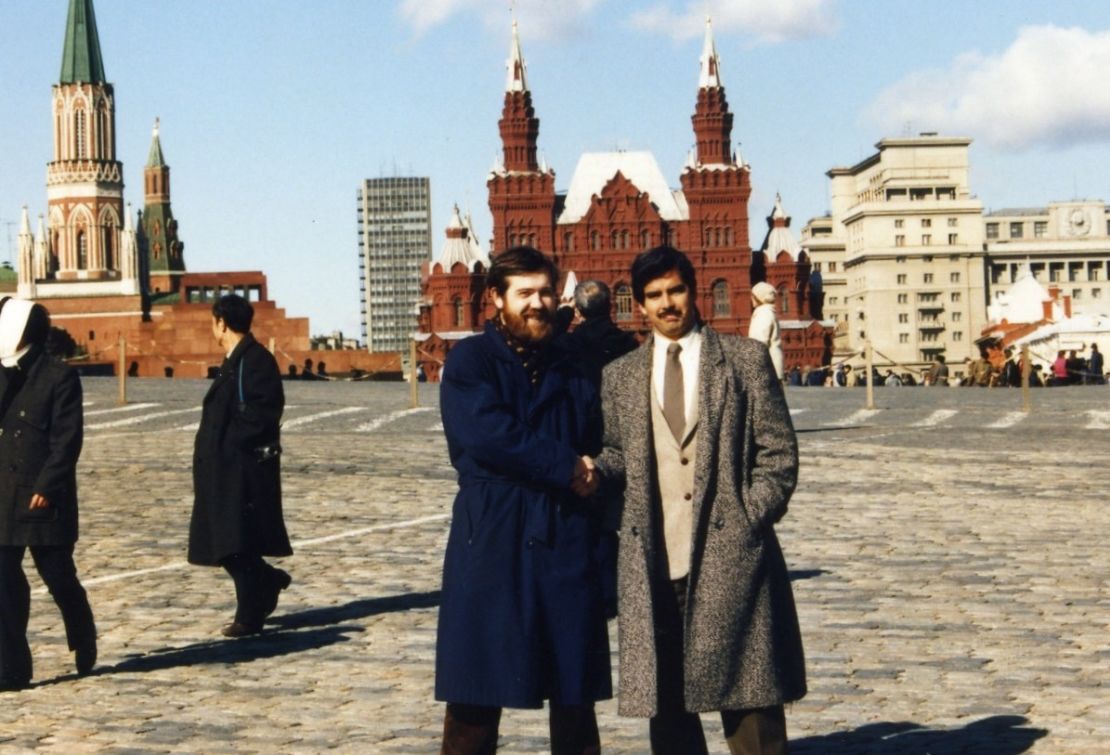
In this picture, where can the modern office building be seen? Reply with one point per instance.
(394, 243)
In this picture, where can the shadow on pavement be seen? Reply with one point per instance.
(269, 644)
(800, 574)
(358, 609)
(829, 429)
(996, 735)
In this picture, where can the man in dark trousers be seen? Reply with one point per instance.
(698, 432)
(237, 515)
(41, 427)
(520, 618)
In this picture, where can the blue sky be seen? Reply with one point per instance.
(273, 111)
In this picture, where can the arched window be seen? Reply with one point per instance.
(614, 240)
(79, 133)
(106, 245)
(728, 236)
(595, 240)
(624, 239)
(568, 241)
(82, 251)
(716, 237)
(623, 299)
(722, 305)
(645, 238)
(782, 297)
(460, 313)
(157, 248)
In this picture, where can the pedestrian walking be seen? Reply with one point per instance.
(520, 618)
(237, 517)
(41, 430)
(707, 459)
(764, 326)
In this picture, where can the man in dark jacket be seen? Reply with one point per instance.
(41, 427)
(236, 474)
(520, 619)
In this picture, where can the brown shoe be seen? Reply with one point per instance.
(239, 629)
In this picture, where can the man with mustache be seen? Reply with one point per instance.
(698, 434)
(521, 618)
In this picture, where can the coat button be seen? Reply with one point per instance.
(685, 461)
(531, 541)
(635, 532)
(689, 496)
(22, 413)
(17, 433)
(719, 524)
(1, 431)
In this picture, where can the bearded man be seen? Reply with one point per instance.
(521, 619)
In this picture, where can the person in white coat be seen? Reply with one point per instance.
(764, 326)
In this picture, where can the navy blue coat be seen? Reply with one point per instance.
(521, 618)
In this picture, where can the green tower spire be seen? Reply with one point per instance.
(155, 159)
(81, 60)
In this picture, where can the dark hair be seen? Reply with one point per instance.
(519, 260)
(592, 298)
(37, 329)
(657, 262)
(236, 312)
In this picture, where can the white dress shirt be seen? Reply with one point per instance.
(688, 359)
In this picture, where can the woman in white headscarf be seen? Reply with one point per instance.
(764, 326)
(41, 425)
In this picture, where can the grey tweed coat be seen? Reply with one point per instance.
(743, 645)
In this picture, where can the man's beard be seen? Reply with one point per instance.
(532, 327)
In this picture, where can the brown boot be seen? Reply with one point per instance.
(470, 730)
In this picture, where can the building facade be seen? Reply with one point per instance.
(394, 244)
(619, 204)
(910, 278)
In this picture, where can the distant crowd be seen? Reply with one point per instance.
(995, 368)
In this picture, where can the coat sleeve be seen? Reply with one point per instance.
(610, 462)
(773, 455)
(479, 421)
(66, 434)
(254, 421)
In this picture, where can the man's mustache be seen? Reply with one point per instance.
(670, 311)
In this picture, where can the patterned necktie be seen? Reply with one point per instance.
(674, 393)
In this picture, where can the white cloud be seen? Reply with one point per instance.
(537, 18)
(1048, 88)
(764, 21)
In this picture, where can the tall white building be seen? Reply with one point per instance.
(394, 241)
(910, 276)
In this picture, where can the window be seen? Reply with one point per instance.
(568, 241)
(79, 134)
(903, 317)
(957, 335)
(957, 316)
(722, 306)
(900, 260)
(816, 267)
(784, 300)
(1096, 293)
(927, 278)
(83, 251)
(1017, 230)
(953, 277)
(898, 222)
(1076, 294)
(624, 302)
(460, 315)
(645, 238)
(903, 338)
(901, 279)
(899, 240)
(862, 335)
(903, 298)
(953, 222)
(992, 230)
(1040, 228)
(953, 239)
(954, 297)
(926, 239)
(926, 222)
(832, 267)
(595, 240)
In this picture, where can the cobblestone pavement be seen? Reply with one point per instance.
(948, 553)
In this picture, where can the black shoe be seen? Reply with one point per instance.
(240, 629)
(13, 685)
(279, 580)
(85, 656)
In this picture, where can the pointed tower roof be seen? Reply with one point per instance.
(155, 159)
(780, 238)
(25, 223)
(515, 81)
(81, 59)
(458, 247)
(710, 64)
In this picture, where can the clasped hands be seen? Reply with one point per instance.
(585, 480)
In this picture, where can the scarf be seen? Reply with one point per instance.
(13, 322)
(533, 357)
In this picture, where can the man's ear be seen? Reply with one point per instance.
(498, 300)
